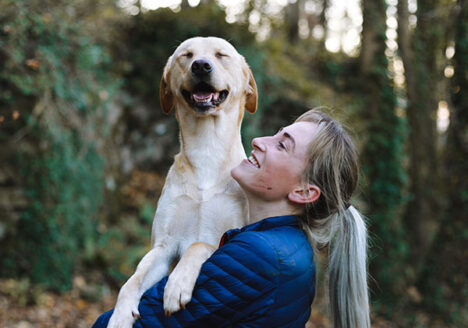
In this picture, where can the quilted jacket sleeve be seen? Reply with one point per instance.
(237, 282)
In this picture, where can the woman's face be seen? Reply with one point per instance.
(277, 163)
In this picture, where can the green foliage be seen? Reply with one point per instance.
(123, 245)
(60, 218)
(56, 78)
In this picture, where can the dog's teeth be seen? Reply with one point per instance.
(203, 97)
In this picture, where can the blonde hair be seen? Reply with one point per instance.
(333, 223)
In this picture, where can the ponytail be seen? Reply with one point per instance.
(348, 271)
(333, 167)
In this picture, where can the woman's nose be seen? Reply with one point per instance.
(258, 143)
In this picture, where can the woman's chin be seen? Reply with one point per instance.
(235, 172)
(242, 176)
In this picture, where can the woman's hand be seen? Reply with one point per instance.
(179, 287)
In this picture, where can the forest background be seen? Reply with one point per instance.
(85, 147)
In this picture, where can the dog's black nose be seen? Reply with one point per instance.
(201, 67)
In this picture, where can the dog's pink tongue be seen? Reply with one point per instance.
(202, 96)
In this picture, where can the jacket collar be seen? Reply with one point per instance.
(272, 222)
(262, 225)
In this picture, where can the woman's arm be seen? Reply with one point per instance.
(238, 280)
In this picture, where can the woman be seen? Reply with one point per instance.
(298, 183)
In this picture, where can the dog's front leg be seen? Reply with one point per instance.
(151, 269)
(179, 286)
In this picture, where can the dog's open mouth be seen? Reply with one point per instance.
(204, 97)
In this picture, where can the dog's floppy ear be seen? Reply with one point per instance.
(165, 94)
(252, 93)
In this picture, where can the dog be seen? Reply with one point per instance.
(210, 85)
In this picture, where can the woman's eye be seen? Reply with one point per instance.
(281, 145)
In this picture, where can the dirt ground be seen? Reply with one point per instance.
(56, 311)
(24, 306)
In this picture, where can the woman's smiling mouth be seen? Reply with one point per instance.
(253, 160)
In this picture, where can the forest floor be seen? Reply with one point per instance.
(25, 307)
(43, 309)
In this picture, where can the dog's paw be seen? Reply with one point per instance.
(124, 316)
(178, 290)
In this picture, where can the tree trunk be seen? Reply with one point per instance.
(444, 279)
(382, 155)
(292, 21)
(323, 14)
(323, 21)
(372, 29)
(418, 52)
(184, 4)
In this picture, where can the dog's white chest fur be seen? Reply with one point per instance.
(199, 219)
(200, 198)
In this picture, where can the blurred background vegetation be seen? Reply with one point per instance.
(85, 147)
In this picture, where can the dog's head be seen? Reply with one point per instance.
(205, 75)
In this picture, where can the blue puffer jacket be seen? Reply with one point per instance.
(263, 276)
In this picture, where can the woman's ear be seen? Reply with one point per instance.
(305, 194)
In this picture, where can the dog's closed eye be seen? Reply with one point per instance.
(188, 54)
(220, 55)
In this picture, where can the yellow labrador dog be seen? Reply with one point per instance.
(209, 85)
